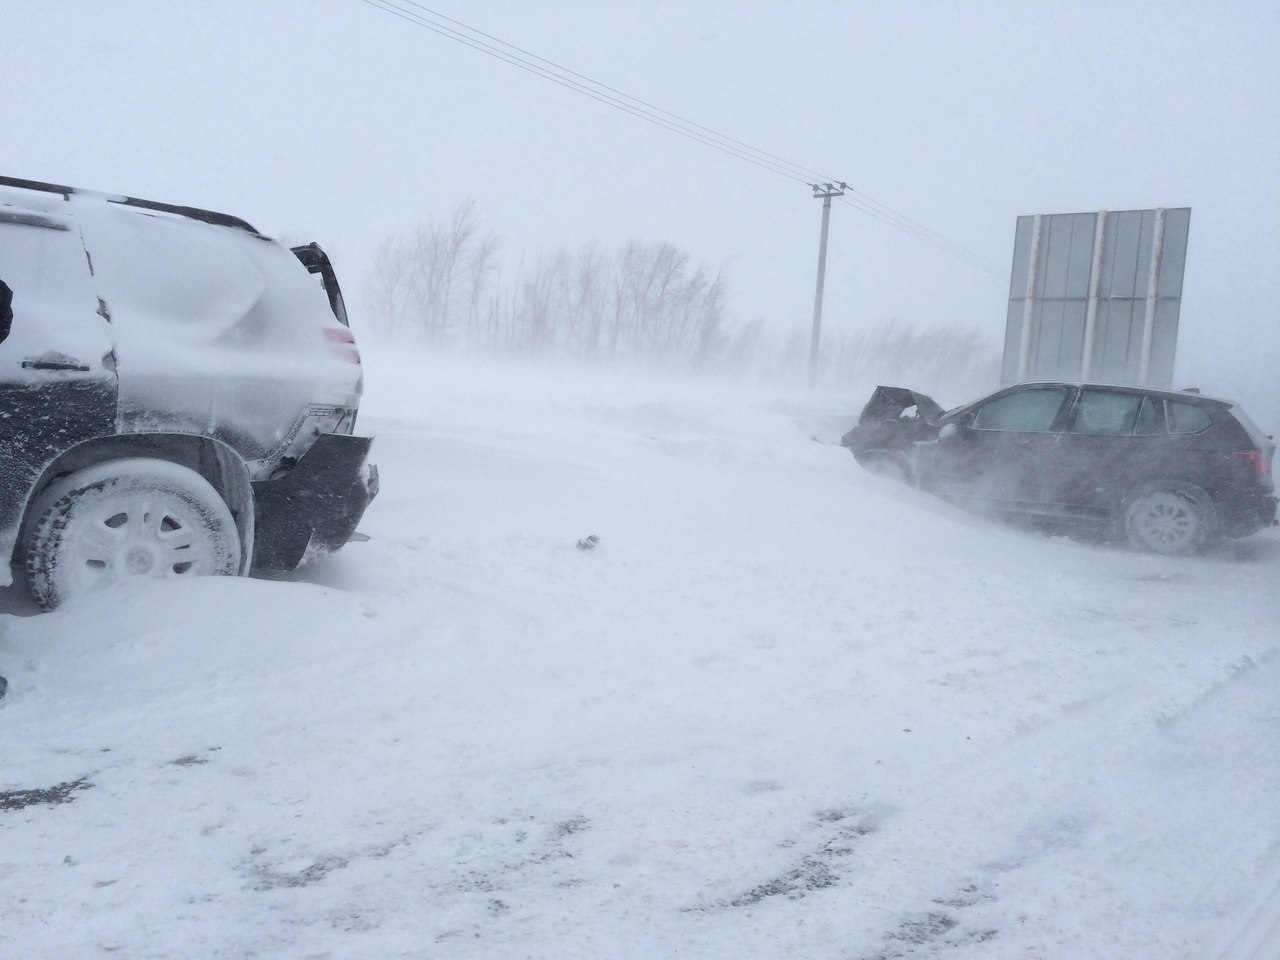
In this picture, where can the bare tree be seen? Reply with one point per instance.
(538, 314)
(414, 277)
(482, 268)
(444, 282)
(389, 285)
(584, 299)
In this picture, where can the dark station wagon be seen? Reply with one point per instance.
(1169, 471)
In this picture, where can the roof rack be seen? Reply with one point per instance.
(193, 213)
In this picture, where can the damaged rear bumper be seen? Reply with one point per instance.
(314, 509)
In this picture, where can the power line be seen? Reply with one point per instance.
(561, 74)
(723, 138)
(601, 95)
(878, 211)
(423, 16)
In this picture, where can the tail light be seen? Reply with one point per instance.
(1257, 460)
(343, 343)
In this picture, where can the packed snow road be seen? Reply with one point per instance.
(782, 708)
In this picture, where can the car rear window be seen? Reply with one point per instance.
(1187, 417)
(1102, 413)
(1150, 418)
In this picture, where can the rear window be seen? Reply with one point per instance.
(1187, 417)
(1150, 418)
(1101, 413)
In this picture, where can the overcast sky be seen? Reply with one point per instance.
(337, 121)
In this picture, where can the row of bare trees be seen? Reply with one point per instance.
(423, 281)
(443, 283)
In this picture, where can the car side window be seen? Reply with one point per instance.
(1150, 418)
(1187, 417)
(1101, 413)
(1028, 411)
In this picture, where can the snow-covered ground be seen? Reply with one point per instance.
(783, 709)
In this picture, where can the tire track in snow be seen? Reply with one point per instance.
(1258, 937)
(1103, 727)
(1255, 934)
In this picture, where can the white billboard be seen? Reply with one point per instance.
(1096, 296)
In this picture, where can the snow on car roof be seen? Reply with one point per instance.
(68, 193)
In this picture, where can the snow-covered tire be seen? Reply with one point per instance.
(1170, 518)
(125, 520)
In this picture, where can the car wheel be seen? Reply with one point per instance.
(885, 464)
(1169, 518)
(127, 520)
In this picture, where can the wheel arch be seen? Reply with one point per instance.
(213, 460)
(1123, 495)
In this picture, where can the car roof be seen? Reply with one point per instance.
(192, 213)
(1186, 395)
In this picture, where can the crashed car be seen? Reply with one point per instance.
(1171, 472)
(178, 395)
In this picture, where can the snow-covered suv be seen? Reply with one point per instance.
(178, 395)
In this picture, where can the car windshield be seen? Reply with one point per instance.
(956, 411)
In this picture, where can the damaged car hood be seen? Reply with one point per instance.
(891, 403)
(893, 419)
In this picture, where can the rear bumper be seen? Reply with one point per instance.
(313, 510)
(1247, 515)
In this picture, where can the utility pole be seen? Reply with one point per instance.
(826, 191)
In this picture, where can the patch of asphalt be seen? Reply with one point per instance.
(59, 793)
(816, 869)
(919, 934)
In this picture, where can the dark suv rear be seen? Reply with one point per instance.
(1170, 471)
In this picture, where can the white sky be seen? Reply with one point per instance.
(336, 121)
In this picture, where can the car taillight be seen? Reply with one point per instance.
(1256, 459)
(343, 343)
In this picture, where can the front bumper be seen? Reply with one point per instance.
(314, 509)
